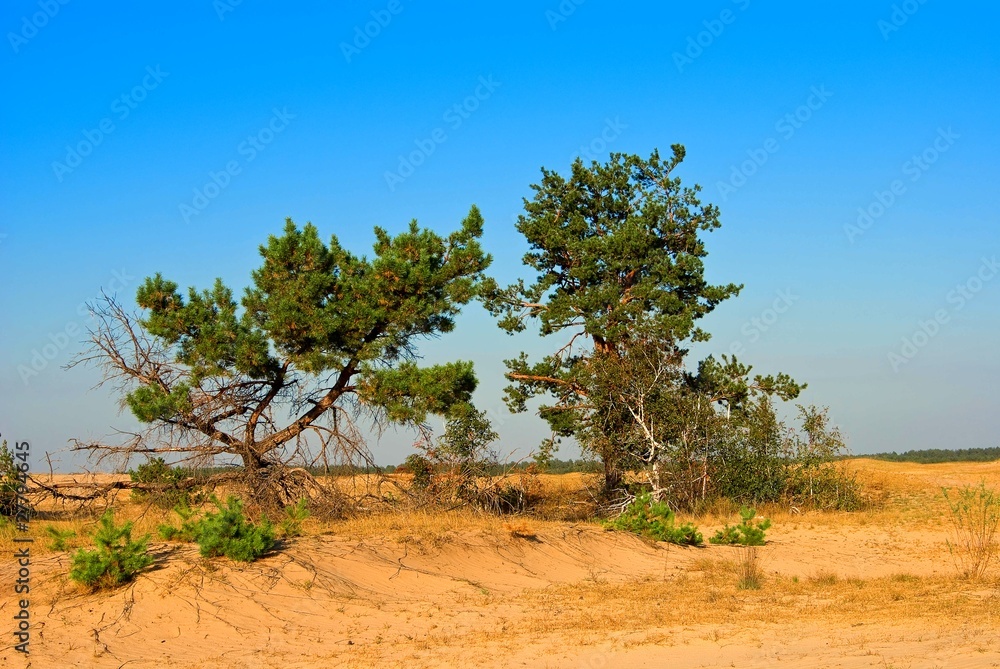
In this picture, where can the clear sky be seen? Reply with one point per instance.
(851, 146)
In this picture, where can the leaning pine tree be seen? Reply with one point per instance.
(321, 339)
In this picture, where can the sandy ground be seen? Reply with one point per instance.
(841, 590)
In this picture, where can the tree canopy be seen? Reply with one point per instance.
(620, 274)
(320, 337)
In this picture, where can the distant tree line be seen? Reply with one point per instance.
(929, 456)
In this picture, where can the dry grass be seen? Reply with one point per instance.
(432, 527)
(748, 569)
(711, 596)
(909, 494)
(563, 497)
(722, 596)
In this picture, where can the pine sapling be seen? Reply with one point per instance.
(117, 558)
(748, 533)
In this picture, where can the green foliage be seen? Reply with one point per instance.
(975, 516)
(421, 468)
(936, 455)
(225, 531)
(467, 434)
(460, 469)
(655, 520)
(10, 482)
(625, 229)
(116, 559)
(619, 259)
(697, 437)
(317, 321)
(189, 528)
(463, 453)
(291, 524)
(157, 472)
(59, 538)
(749, 532)
(748, 456)
(814, 476)
(408, 393)
(557, 466)
(228, 532)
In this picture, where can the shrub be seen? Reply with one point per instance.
(746, 460)
(748, 533)
(59, 538)
(655, 520)
(190, 526)
(157, 472)
(10, 482)
(291, 524)
(229, 533)
(975, 515)
(815, 478)
(421, 468)
(117, 558)
(223, 532)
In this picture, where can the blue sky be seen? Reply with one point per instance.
(851, 147)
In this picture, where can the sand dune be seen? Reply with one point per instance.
(861, 590)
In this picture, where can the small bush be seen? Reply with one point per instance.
(117, 558)
(59, 538)
(157, 472)
(10, 481)
(229, 533)
(655, 520)
(975, 515)
(747, 533)
(421, 468)
(291, 524)
(224, 532)
(190, 526)
(815, 478)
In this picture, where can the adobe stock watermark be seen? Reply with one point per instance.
(40, 358)
(755, 328)
(248, 149)
(956, 298)
(591, 150)
(30, 25)
(901, 13)
(786, 127)
(914, 169)
(363, 35)
(22, 513)
(120, 108)
(562, 13)
(697, 43)
(455, 116)
(223, 7)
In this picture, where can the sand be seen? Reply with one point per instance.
(841, 590)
